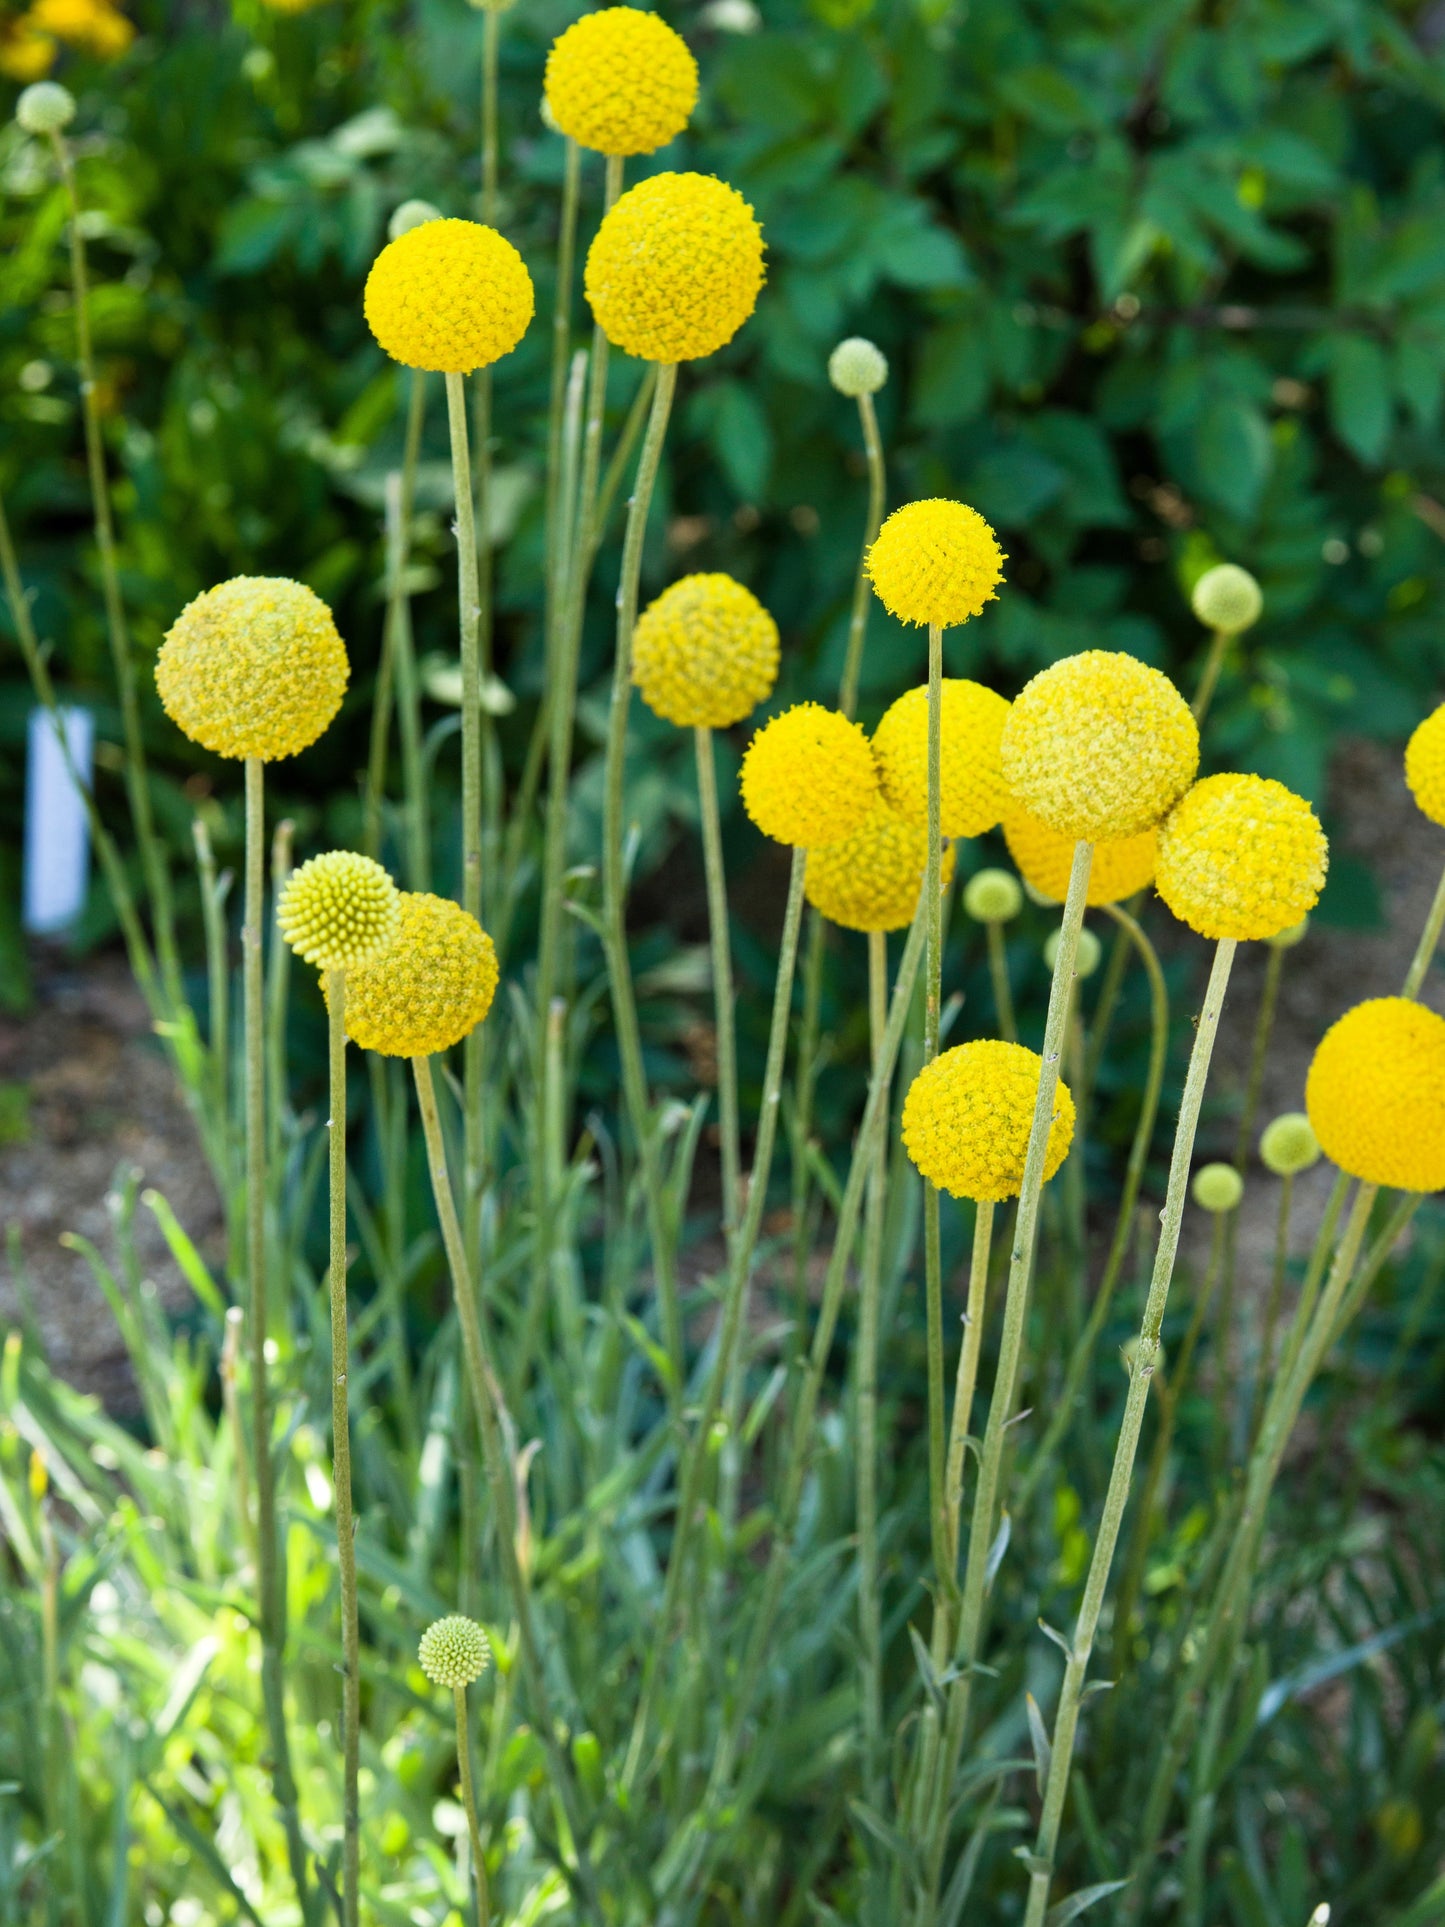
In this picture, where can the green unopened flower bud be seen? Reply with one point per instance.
(1086, 956)
(1217, 1187)
(1287, 939)
(1288, 1144)
(45, 108)
(454, 1651)
(993, 896)
(1227, 598)
(856, 367)
(409, 215)
(339, 910)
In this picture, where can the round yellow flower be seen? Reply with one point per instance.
(254, 667)
(1425, 766)
(432, 984)
(95, 26)
(871, 879)
(1376, 1094)
(967, 1118)
(935, 561)
(454, 1651)
(676, 267)
(1045, 857)
(1100, 746)
(808, 777)
(705, 653)
(339, 909)
(449, 296)
(1241, 857)
(971, 790)
(621, 81)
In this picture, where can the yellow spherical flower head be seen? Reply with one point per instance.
(1100, 746)
(971, 789)
(1376, 1094)
(871, 879)
(968, 1115)
(432, 984)
(339, 909)
(935, 561)
(808, 777)
(449, 296)
(254, 667)
(676, 268)
(94, 26)
(1241, 857)
(1045, 857)
(621, 81)
(705, 653)
(1425, 766)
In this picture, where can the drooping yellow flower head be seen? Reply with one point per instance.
(254, 667)
(1376, 1094)
(971, 789)
(1241, 857)
(1425, 766)
(676, 267)
(339, 909)
(935, 561)
(621, 81)
(705, 653)
(1046, 856)
(871, 879)
(432, 984)
(448, 296)
(808, 777)
(454, 1651)
(1100, 745)
(967, 1118)
(94, 26)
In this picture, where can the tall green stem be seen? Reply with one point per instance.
(966, 1382)
(341, 1457)
(1428, 944)
(469, 1801)
(858, 620)
(397, 671)
(1209, 676)
(1003, 1002)
(932, 1000)
(722, 975)
(870, 1609)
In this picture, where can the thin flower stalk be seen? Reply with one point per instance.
(966, 1382)
(560, 499)
(1003, 1002)
(1429, 943)
(396, 675)
(278, 985)
(722, 976)
(870, 1287)
(1269, 1329)
(469, 1797)
(214, 891)
(932, 1000)
(1219, 642)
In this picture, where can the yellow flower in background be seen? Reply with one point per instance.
(254, 667)
(1425, 766)
(621, 81)
(339, 909)
(705, 653)
(1100, 746)
(449, 296)
(1241, 857)
(971, 788)
(871, 879)
(808, 777)
(1045, 857)
(676, 267)
(968, 1115)
(935, 562)
(26, 53)
(91, 26)
(1375, 1094)
(432, 984)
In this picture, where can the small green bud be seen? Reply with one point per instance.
(454, 1651)
(857, 367)
(45, 108)
(1086, 956)
(1288, 1144)
(1217, 1187)
(549, 119)
(1287, 939)
(409, 215)
(993, 896)
(1227, 598)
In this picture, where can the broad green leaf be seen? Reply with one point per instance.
(1359, 389)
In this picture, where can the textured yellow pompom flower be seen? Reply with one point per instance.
(432, 984)
(1241, 857)
(620, 81)
(705, 653)
(676, 267)
(808, 777)
(454, 1651)
(971, 788)
(1045, 857)
(967, 1118)
(1100, 745)
(1375, 1094)
(935, 561)
(1425, 766)
(871, 879)
(448, 296)
(339, 909)
(254, 667)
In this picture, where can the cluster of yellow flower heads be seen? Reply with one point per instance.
(935, 561)
(30, 43)
(1045, 857)
(621, 81)
(449, 296)
(454, 1651)
(339, 909)
(871, 879)
(971, 788)
(705, 653)
(676, 267)
(1241, 857)
(254, 667)
(433, 983)
(808, 777)
(1425, 766)
(1375, 1094)
(968, 1115)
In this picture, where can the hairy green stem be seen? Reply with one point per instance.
(1429, 943)
(932, 1000)
(722, 976)
(870, 1608)
(966, 1381)
(1209, 676)
(1003, 1002)
(858, 619)
(469, 1801)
